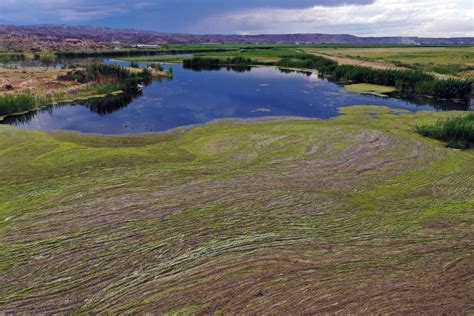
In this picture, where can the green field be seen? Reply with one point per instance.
(444, 60)
(257, 54)
(357, 214)
(261, 54)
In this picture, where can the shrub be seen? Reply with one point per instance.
(156, 66)
(102, 73)
(47, 59)
(215, 63)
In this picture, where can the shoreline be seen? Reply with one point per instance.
(252, 120)
(66, 91)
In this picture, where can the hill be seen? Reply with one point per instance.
(93, 37)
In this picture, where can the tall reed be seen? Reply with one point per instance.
(14, 103)
(458, 132)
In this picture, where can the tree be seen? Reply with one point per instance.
(47, 59)
(5, 59)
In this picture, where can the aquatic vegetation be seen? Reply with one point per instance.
(458, 132)
(18, 103)
(206, 63)
(156, 66)
(103, 73)
(370, 88)
(238, 217)
(404, 80)
(449, 88)
(238, 64)
(11, 103)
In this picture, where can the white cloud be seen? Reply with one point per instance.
(382, 18)
(433, 18)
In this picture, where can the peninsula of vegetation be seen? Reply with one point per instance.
(27, 89)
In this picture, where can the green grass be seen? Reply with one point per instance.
(446, 60)
(10, 103)
(257, 54)
(260, 53)
(107, 88)
(24, 102)
(158, 58)
(238, 217)
(458, 132)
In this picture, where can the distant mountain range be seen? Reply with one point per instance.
(103, 35)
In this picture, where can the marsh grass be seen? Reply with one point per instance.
(108, 88)
(10, 103)
(411, 81)
(458, 132)
(104, 79)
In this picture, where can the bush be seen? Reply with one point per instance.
(102, 73)
(458, 132)
(156, 66)
(47, 59)
(205, 63)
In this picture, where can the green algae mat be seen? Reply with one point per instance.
(356, 214)
(370, 89)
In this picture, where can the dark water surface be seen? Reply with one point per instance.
(194, 97)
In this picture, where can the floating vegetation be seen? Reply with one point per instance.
(370, 89)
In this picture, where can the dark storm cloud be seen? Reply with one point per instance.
(160, 15)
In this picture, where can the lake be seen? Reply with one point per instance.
(196, 97)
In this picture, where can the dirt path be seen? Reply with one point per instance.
(357, 62)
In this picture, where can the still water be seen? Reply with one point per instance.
(195, 97)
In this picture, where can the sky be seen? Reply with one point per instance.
(428, 18)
